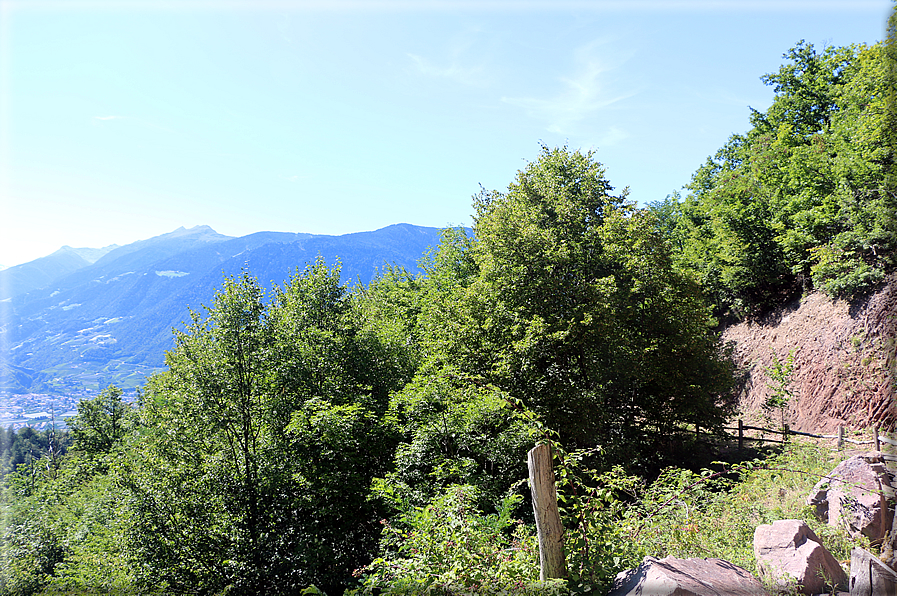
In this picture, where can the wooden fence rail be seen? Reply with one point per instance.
(877, 437)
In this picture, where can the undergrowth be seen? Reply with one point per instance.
(612, 521)
(686, 517)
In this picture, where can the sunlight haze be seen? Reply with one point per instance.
(122, 121)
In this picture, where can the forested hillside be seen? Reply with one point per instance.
(805, 198)
(77, 327)
(373, 438)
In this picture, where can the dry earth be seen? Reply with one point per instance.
(845, 361)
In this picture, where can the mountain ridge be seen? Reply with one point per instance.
(111, 321)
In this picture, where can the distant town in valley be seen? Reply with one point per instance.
(38, 410)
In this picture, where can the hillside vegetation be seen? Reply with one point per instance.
(373, 439)
(805, 199)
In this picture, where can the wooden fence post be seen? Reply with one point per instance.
(893, 535)
(877, 442)
(785, 433)
(840, 437)
(740, 434)
(548, 519)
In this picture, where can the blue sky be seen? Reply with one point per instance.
(124, 120)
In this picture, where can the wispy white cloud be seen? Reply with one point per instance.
(108, 117)
(614, 135)
(454, 71)
(463, 60)
(581, 95)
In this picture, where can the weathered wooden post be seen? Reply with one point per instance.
(740, 434)
(840, 437)
(875, 436)
(893, 538)
(548, 519)
(785, 433)
(883, 505)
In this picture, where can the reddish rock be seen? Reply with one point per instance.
(849, 496)
(686, 577)
(844, 361)
(789, 552)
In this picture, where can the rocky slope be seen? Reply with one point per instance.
(845, 361)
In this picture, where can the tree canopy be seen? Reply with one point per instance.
(802, 199)
(577, 310)
(262, 440)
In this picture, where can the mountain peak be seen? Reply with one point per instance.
(127, 302)
(91, 255)
(194, 231)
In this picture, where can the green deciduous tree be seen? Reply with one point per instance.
(801, 200)
(101, 422)
(64, 515)
(456, 432)
(576, 309)
(261, 441)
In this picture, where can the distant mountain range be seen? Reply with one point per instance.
(80, 319)
(40, 272)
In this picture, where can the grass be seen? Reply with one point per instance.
(613, 525)
(694, 515)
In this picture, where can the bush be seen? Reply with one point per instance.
(451, 547)
(707, 514)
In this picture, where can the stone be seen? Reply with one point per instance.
(869, 576)
(788, 552)
(671, 576)
(849, 496)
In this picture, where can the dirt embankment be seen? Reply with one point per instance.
(845, 361)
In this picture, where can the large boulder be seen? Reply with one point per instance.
(686, 577)
(850, 496)
(788, 552)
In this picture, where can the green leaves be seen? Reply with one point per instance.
(780, 384)
(65, 519)
(102, 422)
(800, 201)
(806, 88)
(456, 432)
(449, 546)
(576, 309)
(263, 438)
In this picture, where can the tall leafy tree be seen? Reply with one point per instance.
(576, 309)
(101, 422)
(261, 441)
(455, 429)
(801, 200)
(63, 513)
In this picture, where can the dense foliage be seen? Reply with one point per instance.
(287, 426)
(577, 310)
(64, 517)
(261, 442)
(374, 439)
(26, 445)
(805, 199)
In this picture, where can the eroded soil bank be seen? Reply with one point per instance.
(845, 361)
